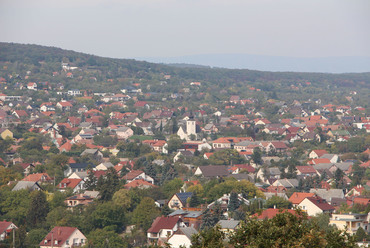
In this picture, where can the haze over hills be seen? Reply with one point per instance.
(271, 63)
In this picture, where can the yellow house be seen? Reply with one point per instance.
(6, 133)
(351, 222)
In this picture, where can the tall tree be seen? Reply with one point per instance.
(38, 209)
(233, 202)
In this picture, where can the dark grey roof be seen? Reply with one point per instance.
(228, 224)
(214, 170)
(184, 196)
(80, 165)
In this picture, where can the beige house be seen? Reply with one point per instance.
(351, 222)
(6, 133)
(124, 132)
(62, 236)
(315, 205)
(179, 200)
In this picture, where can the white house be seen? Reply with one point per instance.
(6, 228)
(164, 227)
(182, 237)
(315, 205)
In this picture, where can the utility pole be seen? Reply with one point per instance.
(13, 237)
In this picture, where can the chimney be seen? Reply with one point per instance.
(59, 232)
(274, 206)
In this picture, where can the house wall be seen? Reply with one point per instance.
(175, 203)
(310, 208)
(178, 240)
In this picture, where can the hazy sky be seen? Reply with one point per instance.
(148, 28)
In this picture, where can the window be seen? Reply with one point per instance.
(67, 242)
(55, 242)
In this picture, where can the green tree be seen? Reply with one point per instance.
(35, 236)
(278, 202)
(144, 213)
(122, 198)
(211, 237)
(108, 185)
(233, 202)
(287, 230)
(101, 238)
(194, 200)
(91, 182)
(174, 143)
(257, 156)
(38, 210)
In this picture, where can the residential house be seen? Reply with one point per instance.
(139, 183)
(31, 186)
(306, 171)
(297, 197)
(228, 226)
(78, 200)
(164, 227)
(192, 217)
(77, 167)
(272, 212)
(39, 178)
(182, 237)
(136, 175)
(224, 200)
(104, 166)
(179, 200)
(64, 106)
(287, 183)
(212, 171)
(32, 86)
(96, 153)
(74, 92)
(6, 229)
(355, 191)
(62, 236)
(124, 132)
(270, 172)
(27, 168)
(317, 153)
(6, 133)
(328, 195)
(315, 205)
(351, 222)
(75, 184)
(210, 128)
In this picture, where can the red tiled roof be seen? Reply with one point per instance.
(320, 203)
(132, 174)
(246, 167)
(163, 223)
(306, 169)
(361, 200)
(71, 183)
(138, 183)
(298, 197)
(272, 212)
(65, 104)
(319, 161)
(319, 153)
(59, 233)
(44, 177)
(4, 226)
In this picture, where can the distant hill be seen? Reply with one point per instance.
(118, 73)
(272, 63)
